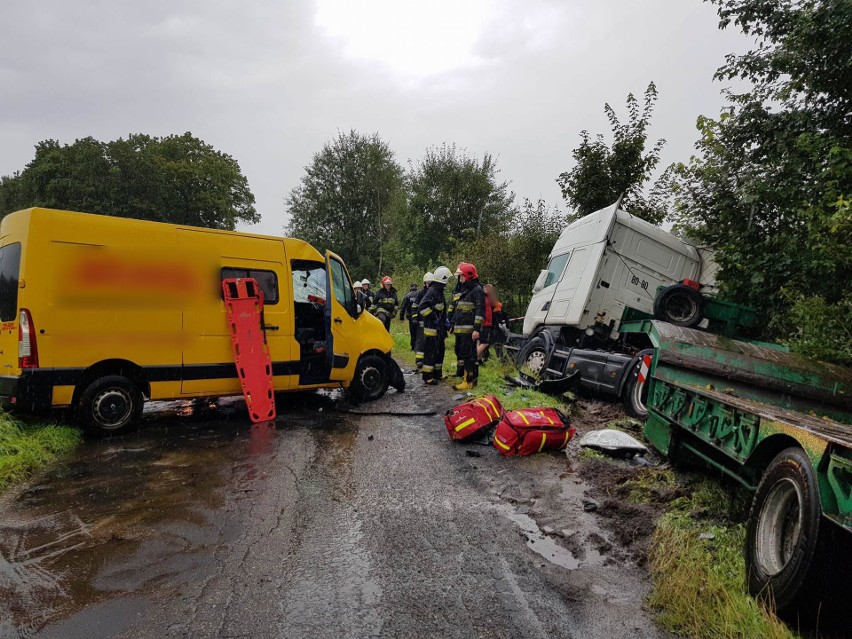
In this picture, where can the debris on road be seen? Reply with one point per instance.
(613, 442)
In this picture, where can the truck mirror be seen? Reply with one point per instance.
(539, 283)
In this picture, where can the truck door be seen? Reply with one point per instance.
(543, 297)
(340, 313)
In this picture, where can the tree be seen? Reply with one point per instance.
(348, 198)
(454, 198)
(771, 185)
(178, 179)
(603, 173)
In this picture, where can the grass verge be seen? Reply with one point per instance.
(24, 448)
(696, 554)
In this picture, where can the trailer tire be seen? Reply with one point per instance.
(371, 379)
(110, 405)
(783, 534)
(680, 305)
(532, 358)
(635, 395)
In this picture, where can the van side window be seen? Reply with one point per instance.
(342, 287)
(10, 270)
(556, 268)
(268, 281)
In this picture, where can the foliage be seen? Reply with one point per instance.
(347, 199)
(178, 179)
(770, 188)
(602, 173)
(454, 198)
(823, 330)
(24, 448)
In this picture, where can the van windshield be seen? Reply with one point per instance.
(10, 270)
(556, 268)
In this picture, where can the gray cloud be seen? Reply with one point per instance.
(265, 82)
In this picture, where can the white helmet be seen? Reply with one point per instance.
(365, 281)
(428, 277)
(442, 275)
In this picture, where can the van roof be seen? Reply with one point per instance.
(108, 219)
(597, 226)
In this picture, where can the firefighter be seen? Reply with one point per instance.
(492, 329)
(359, 296)
(451, 310)
(368, 295)
(408, 312)
(468, 316)
(386, 302)
(433, 311)
(418, 342)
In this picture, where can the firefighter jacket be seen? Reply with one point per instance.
(470, 308)
(433, 311)
(454, 299)
(415, 305)
(386, 303)
(409, 307)
(368, 297)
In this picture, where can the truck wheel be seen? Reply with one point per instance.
(783, 531)
(635, 396)
(680, 305)
(371, 379)
(110, 405)
(532, 358)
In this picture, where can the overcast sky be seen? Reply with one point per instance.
(270, 82)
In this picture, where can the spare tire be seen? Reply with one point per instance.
(680, 305)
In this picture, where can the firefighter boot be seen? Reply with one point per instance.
(469, 383)
(460, 368)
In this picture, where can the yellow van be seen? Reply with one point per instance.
(99, 313)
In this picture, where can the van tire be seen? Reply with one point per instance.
(680, 305)
(371, 379)
(110, 405)
(785, 546)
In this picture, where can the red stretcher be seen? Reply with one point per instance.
(244, 307)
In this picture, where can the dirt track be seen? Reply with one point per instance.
(327, 525)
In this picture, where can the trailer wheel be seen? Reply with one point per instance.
(680, 305)
(783, 531)
(110, 405)
(371, 379)
(532, 358)
(635, 395)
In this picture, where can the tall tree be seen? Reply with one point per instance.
(178, 178)
(602, 173)
(454, 198)
(772, 183)
(348, 198)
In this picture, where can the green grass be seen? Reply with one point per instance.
(26, 448)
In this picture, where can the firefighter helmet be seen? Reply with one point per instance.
(386, 280)
(468, 270)
(442, 274)
(365, 282)
(428, 277)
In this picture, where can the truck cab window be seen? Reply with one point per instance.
(10, 269)
(556, 268)
(268, 281)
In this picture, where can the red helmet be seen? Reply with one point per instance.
(386, 280)
(468, 270)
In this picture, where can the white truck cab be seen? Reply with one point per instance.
(606, 262)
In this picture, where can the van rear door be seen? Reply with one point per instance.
(340, 315)
(10, 271)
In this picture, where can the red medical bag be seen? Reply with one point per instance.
(465, 420)
(532, 430)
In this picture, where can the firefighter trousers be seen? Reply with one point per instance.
(466, 355)
(433, 357)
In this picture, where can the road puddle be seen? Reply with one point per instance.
(546, 546)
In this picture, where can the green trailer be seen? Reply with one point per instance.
(777, 423)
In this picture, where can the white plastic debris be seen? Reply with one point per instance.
(612, 441)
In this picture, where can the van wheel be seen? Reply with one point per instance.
(680, 305)
(783, 531)
(371, 379)
(110, 405)
(636, 394)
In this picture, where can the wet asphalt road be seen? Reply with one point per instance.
(324, 525)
